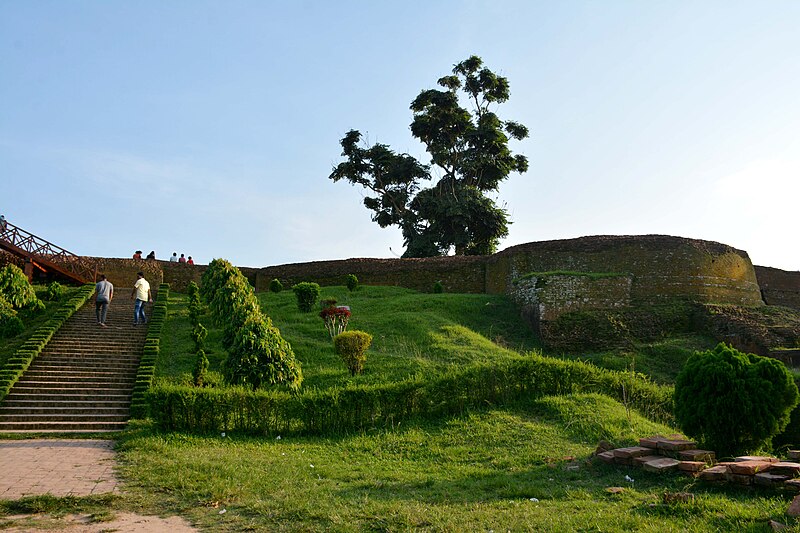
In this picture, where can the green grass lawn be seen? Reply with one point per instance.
(413, 333)
(479, 472)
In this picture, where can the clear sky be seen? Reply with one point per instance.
(209, 128)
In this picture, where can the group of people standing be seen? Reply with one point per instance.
(105, 293)
(174, 259)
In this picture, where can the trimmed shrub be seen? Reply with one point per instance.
(352, 346)
(199, 334)
(200, 369)
(275, 285)
(55, 291)
(307, 295)
(733, 402)
(438, 288)
(352, 282)
(260, 356)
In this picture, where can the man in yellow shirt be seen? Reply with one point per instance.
(141, 291)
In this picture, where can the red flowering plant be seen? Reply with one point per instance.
(336, 318)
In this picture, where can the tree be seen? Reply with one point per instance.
(469, 151)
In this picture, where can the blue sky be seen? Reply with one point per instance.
(209, 128)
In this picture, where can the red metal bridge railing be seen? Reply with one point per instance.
(46, 255)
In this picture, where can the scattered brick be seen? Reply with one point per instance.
(606, 457)
(777, 526)
(677, 497)
(691, 466)
(794, 455)
(640, 461)
(676, 445)
(697, 455)
(793, 484)
(664, 464)
(632, 451)
(794, 507)
(769, 479)
(749, 468)
(744, 458)
(786, 468)
(739, 479)
(650, 442)
(714, 473)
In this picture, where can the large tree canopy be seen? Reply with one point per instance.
(469, 152)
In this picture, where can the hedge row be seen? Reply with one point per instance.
(147, 364)
(18, 363)
(332, 411)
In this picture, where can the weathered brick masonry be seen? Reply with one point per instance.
(779, 287)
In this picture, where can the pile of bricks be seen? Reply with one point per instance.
(674, 453)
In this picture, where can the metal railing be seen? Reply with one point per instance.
(45, 254)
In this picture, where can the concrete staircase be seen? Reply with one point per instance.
(83, 380)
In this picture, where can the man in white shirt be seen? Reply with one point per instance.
(174, 258)
(141, 291)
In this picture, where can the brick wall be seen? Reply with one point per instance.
(457, 274)
(779, 287)
(661, 267)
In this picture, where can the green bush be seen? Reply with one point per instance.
(15, 287)
(733, 402)
(352, 346)
(275, 285)
(307, 295)
(438, 288)
(55, 291)
(199, 334)
(10, 323)
(352, 282)
(359, 407)
(200, 370)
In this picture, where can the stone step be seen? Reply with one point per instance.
(52, 365)
(63, 417)
(76, 374)
(11, 414)
(61, 427)
(34, 387)
(80, 354)
(69, 395)
(123, 402)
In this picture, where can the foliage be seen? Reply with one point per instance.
(438, 288)
(358, 407)
(55, 291)
(200, 370)
(199, 334)
(260, 356)
(469, 147)
(275, 285)
(352, 347)
(257, 354)
(16, 289)
(335, 318)
(307, 295)
(10, 323)
(733, 402)
(150, 352)
(351, 282)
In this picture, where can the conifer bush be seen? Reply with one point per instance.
(352, 346)
(352, 282)
(275, 285)
(307, 295)
(55, 291)
(733, 402)
(438, 288)
(200, 370)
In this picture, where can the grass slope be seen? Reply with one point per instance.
(473, 473)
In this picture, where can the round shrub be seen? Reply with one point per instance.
(307, 295)
(275, 285)
(438, 288)
(352, 282)
(352, 346)
(733, 402)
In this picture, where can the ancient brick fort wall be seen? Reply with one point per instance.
(779, 287)
(650, 268)
(660, 267)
